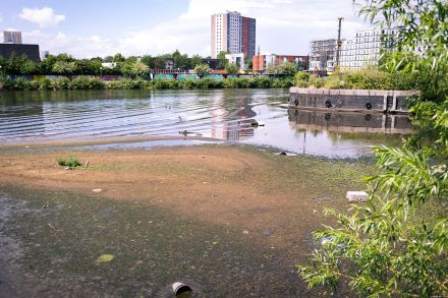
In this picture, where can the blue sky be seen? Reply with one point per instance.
(98, 28)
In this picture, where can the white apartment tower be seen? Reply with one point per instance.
(232, 33)
(366, 48)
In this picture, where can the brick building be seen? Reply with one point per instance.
(261, 62)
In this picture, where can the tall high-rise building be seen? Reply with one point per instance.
(233, 33)
(249, 32)
(14, 37)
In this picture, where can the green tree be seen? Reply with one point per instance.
(108, 59)
(148, 61)
(397, 244)
(285, 69)
(19, 64)
(232, 68)
(29, 67)
(88, 66)
(180, 61)
(64, 68)
(133, 68)
(202, 70)
(222, 61)
(195, 60)
(118, 58)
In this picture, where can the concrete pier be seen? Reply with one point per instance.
(348, 100)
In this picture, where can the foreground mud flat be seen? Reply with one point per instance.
(230, 221)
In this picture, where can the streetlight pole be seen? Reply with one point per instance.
(339, 44)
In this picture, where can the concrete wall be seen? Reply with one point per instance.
(350, 100)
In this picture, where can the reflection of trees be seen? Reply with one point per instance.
(17, 118)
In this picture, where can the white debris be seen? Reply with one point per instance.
(357, 196)
(97, 190)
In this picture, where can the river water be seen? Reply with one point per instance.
(191, 117)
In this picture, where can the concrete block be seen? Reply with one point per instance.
(357, 196)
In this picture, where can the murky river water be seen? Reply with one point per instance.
(207, 116)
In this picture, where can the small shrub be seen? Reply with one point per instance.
(45, 84)
(261, 82)
(302, 79)
(165, 84)
(187, 84)
(86, 83)
(70, 162)
(62, 83)
(316, 82)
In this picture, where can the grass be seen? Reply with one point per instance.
(70, 162)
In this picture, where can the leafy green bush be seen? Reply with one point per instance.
(283, 82)
(187, 84)
(261, 82)
(62, 83)
(301, 79)
(316, 82)
(71, 162)
(86, 83)
(45, 84)
(396, 244)
(164, 84)
(201, 70)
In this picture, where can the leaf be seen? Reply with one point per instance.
(106, 258)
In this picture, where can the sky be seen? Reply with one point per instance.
(90, 28)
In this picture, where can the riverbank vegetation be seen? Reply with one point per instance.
(94, 83)
(396, 245)
(372, 78)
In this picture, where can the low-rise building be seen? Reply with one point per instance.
(237, 58)
(260, 63)
(31, 51)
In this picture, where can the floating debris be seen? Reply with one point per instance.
(284, 153)
(186, 132)
(181, 290)
(256, 123)
(106, 258)
(97, 190)
(357, 196)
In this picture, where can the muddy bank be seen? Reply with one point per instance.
(231, 221)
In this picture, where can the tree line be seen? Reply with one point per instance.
(64, 64)
(67, 65)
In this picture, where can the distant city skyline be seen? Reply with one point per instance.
(88, 29)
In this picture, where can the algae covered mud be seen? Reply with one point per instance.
(144, 119)
(226, 220)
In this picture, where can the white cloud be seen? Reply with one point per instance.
(283, 27)
(88, 46)
(44, 17)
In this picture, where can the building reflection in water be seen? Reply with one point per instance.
(347, 126)
(233, 123)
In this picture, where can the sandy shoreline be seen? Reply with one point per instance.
(273, 201)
